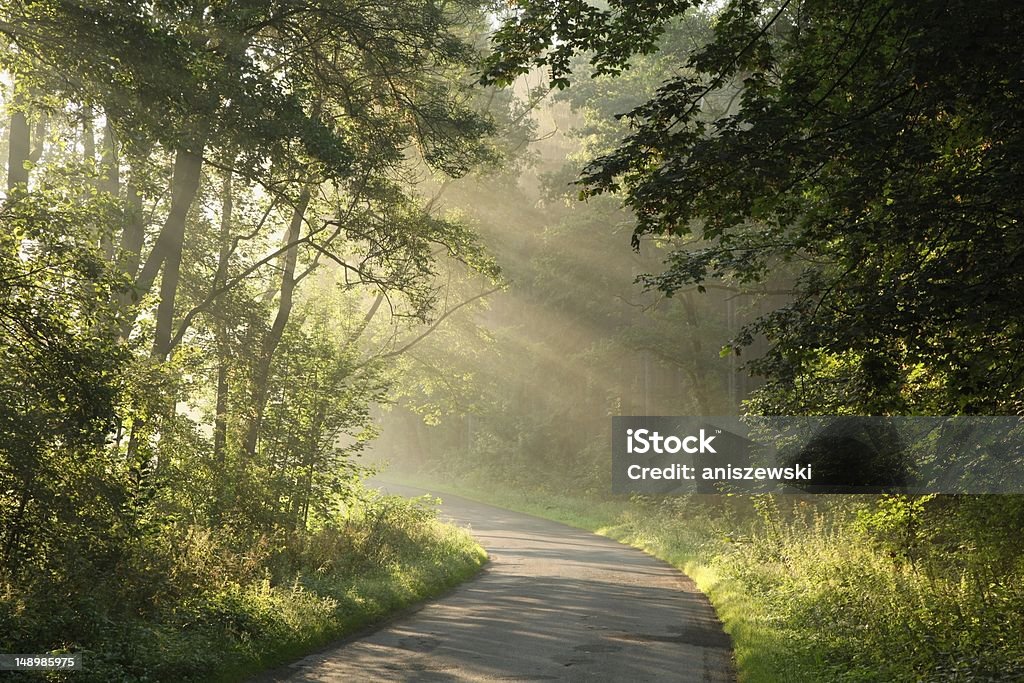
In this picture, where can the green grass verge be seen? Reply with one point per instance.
(214, 613)
(318, 609)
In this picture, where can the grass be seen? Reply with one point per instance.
(808, 591)
(319, 608)
(208, 618)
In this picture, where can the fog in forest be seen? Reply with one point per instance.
(522, 385)
(261, 263)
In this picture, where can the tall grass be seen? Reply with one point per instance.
(207, 612)
(832, 588)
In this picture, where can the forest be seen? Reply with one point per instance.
(257, 255)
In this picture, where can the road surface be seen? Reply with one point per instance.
(553, 604)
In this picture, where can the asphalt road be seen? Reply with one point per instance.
(553, 603)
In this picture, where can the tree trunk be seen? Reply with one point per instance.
(104, 239)
(129, 255)
(39, 137)
(168, 248)
(133, 233)
(220, 424)
(167, 252)
(19, 149)
(110, 179)
(698, 372)
(220, 419)
(273, 338)
(313, 455)
(88, 136)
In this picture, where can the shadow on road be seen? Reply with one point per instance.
(555, 603)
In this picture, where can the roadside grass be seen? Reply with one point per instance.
(388, 554)
(410, 563)
(805, 589)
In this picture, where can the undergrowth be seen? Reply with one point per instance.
(195, 608)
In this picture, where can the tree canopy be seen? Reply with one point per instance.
(211, 211)
(866, 159)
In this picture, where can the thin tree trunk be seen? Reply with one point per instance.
(273, 338)
(133, 439)
(312, 450)
(134, 232)
(88, 135)
(110, 179)
(220, 424)
(19, 147)
(220, 421)
(364, 323)
(699, 373)
(38, 138)
(129, 254)
(169, 246)
(307, 495)
(89, 157)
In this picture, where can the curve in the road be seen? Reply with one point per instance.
(554, 603)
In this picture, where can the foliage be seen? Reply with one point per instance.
(201, 608)
(211, 221)
(62, 373)
(873, 148)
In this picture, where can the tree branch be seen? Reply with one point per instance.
(429, 330)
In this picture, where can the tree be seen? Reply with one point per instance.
(211, 211)
(872, 151)
(163, 150)
(62, 378)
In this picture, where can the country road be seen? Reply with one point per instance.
(553, 603)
